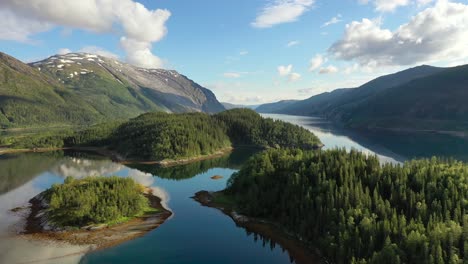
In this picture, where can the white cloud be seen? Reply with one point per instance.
(293, 77)
(284, 70)
(99, 51)
(17, 28)
(437, 33)
(232, 75)
(140, 26)
(424, 2)
(281, 11)
(387, 5)
(243, 53)
(328, 69)
(139, 53)
(63, 51)
(316, 62)
(333, 20)
(292, 43)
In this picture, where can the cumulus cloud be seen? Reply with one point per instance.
(17, 28)
(284, 70)
(63, 51)
(293, 77)
(281, 11)
(140, 27)
(333, 20)
(98, 51)
(316, 62)
(387, 5)
(139, 53)
(328, 69)
(437, 33)
(292, 43)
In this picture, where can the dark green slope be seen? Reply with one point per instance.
(275, 107)
(160, 136)
(436, 102)
(420, 98)
(340, 101)
(316, 104)
(29, 97)
(83, 89)
(108, 92)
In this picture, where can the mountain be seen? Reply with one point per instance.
(29, 97)
(274, 107)
(343, 99)
(230, 106)
(420, 98)
(80, 88)
(435, 102)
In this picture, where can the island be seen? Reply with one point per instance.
(172, 139)
(352, 207)
(95, 211)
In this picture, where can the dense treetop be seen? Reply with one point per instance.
(95, 200)
(357, 210)
(160, 136)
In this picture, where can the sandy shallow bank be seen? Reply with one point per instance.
(96, 237)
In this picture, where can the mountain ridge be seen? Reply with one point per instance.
(359, 107)
(106, 87)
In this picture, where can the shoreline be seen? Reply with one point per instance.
(116, 157)
(297, 250)
(94, 237)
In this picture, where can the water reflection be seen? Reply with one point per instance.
(17, 169)
(233, 160)
(195, 234)
(389, 146)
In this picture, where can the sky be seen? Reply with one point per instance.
(247, 51)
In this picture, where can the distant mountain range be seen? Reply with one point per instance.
(79, 88)
(230, 106)
(420, 98)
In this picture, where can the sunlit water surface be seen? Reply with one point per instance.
(194, 234)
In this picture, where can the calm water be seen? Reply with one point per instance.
(194, 234)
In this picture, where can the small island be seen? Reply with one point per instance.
(95, 211)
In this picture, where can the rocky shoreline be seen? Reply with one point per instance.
(298, 251)
(37, 226)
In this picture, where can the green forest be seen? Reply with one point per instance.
(95, 200)
(358, 210)
(160, 136)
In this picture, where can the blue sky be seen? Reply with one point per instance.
(248, 51)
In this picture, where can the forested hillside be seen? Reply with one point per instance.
(82, 89)
(160, 136)
(420, 98)
(29, 97)
(245, 127)
(357, 210)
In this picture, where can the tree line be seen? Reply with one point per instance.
(159, 135)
